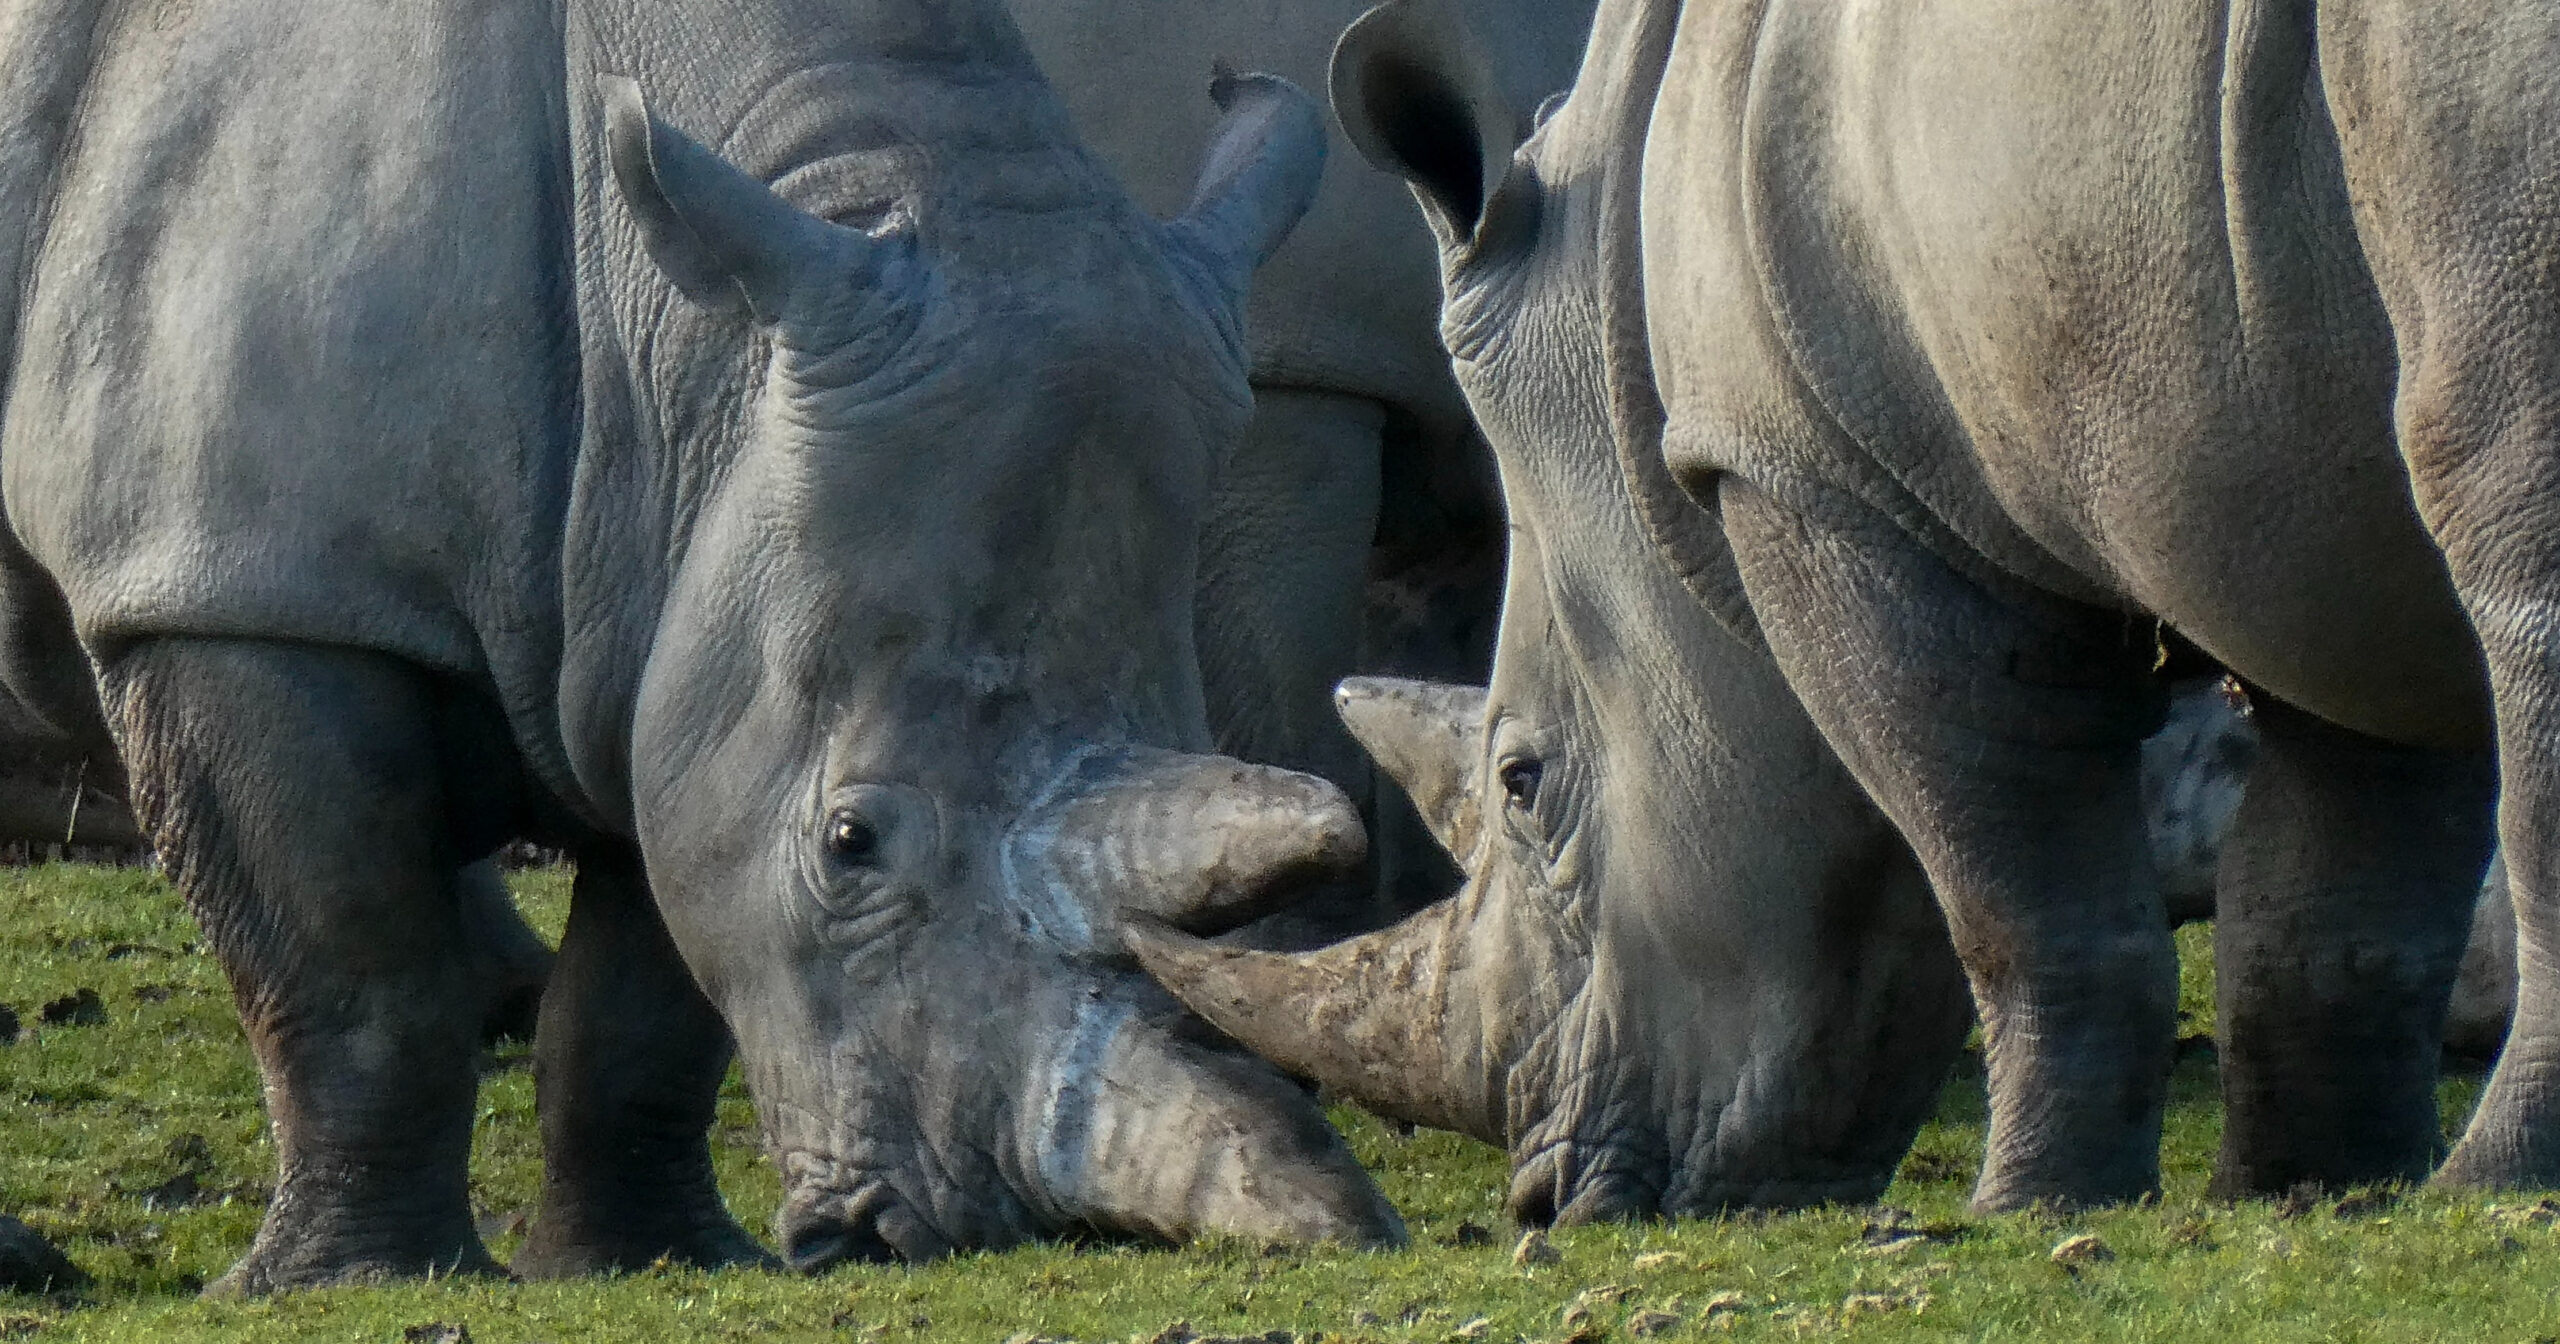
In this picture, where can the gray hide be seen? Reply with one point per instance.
(1692, 967)
(1360, 469)
(427, 441)
(1989, 364)
(2194, 771)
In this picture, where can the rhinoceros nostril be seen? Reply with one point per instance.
(817, 1239)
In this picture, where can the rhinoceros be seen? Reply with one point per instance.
(2194, 771)
(415, 435)
(1692, 967)
(1360, 472)
(1993, 341)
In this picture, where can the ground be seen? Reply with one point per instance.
(137, 1143)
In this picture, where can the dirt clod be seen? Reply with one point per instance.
(1535, 1250)
(80, 1008)
(2085, 1249)
(437, 1332)
(1647, 1324)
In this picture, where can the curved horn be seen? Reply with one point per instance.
(1429, 737)
(1154, 1129)
(1197, 841)
(1368, 1017)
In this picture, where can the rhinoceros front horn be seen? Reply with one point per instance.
(1199, 842)
(1369, 1017)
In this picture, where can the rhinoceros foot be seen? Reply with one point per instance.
(309, 1264)
(30, 1264)
(317, 1236)
(570, 1247)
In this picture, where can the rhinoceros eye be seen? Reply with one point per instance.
(851, 838)
(1520, 780)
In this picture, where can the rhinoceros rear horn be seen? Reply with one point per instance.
(1265, 160)
(1202, 842)
(1429, 737)
(724, 239)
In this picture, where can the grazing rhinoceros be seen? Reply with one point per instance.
(424, 441)
(1692, 966)
(1360, 469)
(1993, 337)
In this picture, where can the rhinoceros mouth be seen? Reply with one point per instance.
(844, 1218)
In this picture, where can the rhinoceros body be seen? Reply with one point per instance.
(1692, 967)
(2233, 320)
(1953, 380)
(424, 441)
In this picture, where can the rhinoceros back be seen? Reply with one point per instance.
(1351, 302)
(295, 357)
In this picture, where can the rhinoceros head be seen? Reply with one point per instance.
(921, 717)
(1691, 966)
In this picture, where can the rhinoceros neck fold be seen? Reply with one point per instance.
(1629, 52)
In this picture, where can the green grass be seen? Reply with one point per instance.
(103, 1115)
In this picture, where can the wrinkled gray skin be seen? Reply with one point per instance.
(2194, 771)
(1692, 967)
(57, 792)
(1359, 481)
(426, 444)
(2232, 320)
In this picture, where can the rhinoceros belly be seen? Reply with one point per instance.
(2086, 291)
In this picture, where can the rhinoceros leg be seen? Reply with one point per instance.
(2346, 889)
(521, 964)
(2002, 735)
(1283, 560)
(627, 1063)
(2450, 137)
(294, 793)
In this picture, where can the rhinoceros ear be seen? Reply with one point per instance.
(725, 240)
(1430, 737)
(1265, 160)
(1419, 98)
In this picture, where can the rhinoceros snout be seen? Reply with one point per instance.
(821, 1230)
